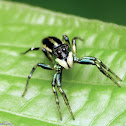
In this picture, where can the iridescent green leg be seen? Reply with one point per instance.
(103, 65)
(31, 49)
(48, 67)
(58, 79)
(65, 37)
(49, 56)
(100, 65)
(74, 46)
(56, 95)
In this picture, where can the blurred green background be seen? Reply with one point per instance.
(109, 11)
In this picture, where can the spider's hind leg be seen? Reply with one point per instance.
(100, 65)
(104, 71)
(105, 67)
(45, 66)
(32, 49)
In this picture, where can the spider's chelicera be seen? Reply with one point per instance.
(63, 55)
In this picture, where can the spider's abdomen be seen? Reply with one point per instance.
(50, 43)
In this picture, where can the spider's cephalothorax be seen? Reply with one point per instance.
(63, 54)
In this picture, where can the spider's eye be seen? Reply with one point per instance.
(66, 38)
(64, 49)
(59, 52)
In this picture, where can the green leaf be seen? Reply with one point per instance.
(95, 100)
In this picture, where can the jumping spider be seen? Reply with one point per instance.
(63, 55)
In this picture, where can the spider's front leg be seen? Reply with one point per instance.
(65, 37)
(45, 66)
(100, 65)
(58, 80)
(48, 54)
(74, 46)
(56, 95)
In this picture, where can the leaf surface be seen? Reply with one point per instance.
(95, 100)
